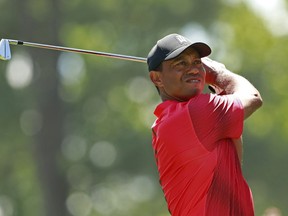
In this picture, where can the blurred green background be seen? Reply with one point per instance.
(75, 129)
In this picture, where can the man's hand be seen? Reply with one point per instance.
(212, 68)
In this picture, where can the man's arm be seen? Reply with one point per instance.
(237, 142)
(217, 75)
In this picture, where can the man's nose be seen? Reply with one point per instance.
(193, 69)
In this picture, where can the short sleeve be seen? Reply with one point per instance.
(216, 117)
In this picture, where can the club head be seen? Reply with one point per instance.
(5, 53)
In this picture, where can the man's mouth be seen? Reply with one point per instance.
(193, 80)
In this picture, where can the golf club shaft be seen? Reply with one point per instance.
(68, 49)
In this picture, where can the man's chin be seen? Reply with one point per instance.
(188, 97)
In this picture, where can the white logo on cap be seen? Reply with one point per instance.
(181, 39)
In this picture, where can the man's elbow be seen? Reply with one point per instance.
(252, 105)
(257, 101)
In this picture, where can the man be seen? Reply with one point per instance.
(196, 136)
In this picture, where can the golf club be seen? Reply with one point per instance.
(5, 52)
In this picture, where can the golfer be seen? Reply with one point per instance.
(196, 136)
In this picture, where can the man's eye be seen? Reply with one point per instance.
(182, 63)
(179, 66)
(197, 62)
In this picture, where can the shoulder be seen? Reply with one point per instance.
(211, 102)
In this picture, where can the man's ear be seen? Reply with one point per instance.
(155, 77)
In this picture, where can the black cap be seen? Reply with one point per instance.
(170, 47)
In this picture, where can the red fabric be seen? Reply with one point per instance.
(198, 166)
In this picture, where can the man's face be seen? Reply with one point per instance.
(181, 78)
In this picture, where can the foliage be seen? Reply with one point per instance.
(104, 154)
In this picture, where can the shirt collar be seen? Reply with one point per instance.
(162, 106)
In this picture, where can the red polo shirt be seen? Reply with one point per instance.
(198, 166)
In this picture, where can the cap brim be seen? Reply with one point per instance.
(202, 48)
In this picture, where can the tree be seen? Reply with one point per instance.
(92, 150)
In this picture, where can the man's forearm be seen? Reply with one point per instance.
(217, 75)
